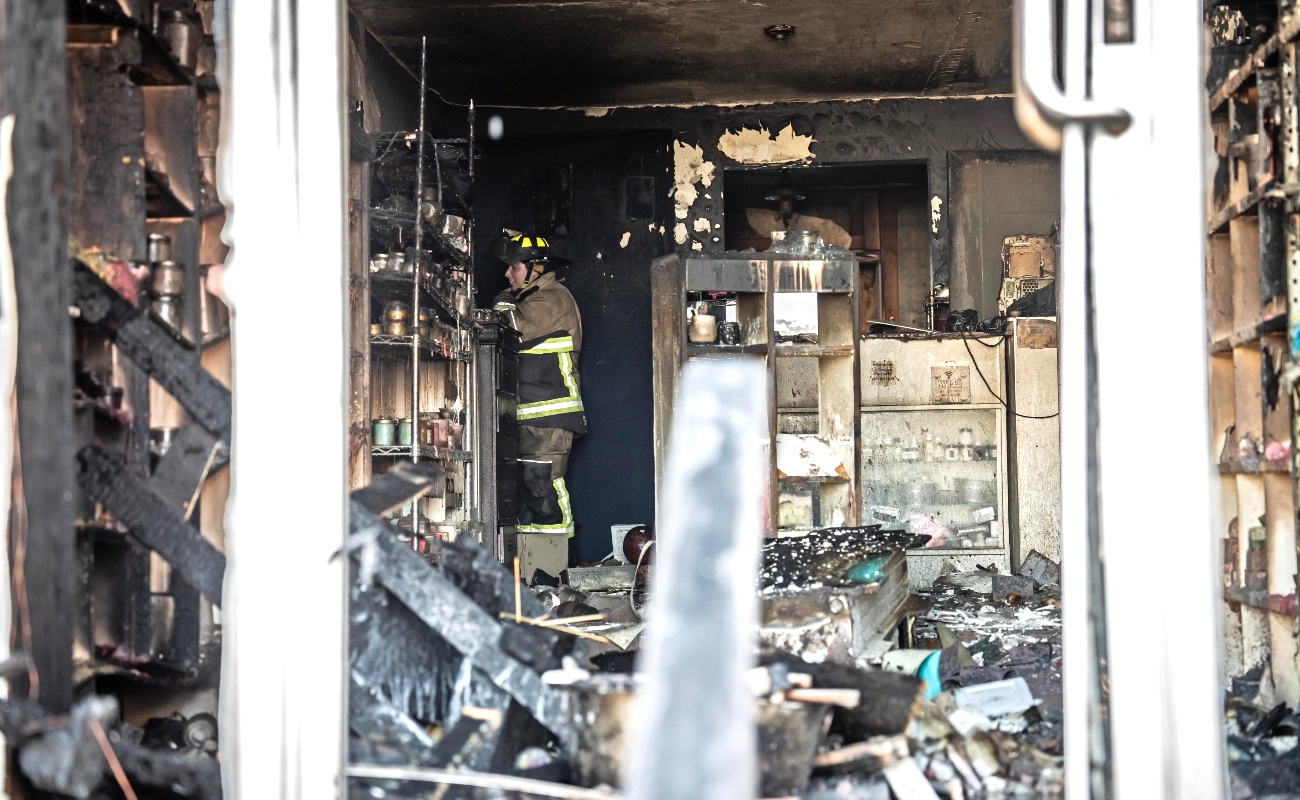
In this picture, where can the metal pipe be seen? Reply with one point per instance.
(417, 273)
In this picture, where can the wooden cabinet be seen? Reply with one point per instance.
(812, 441)
(934, 447)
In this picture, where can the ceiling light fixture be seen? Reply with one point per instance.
(779, 32)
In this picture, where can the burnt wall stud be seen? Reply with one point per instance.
(33, 88)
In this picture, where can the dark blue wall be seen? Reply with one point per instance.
(611, 473)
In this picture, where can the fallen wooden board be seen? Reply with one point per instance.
(152, 520)
(457, 619)
(155, 348)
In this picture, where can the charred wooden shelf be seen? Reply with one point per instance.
(814, 350)
(1258, 59)
(1263, 468)
(149, 63)
(1248, 334)
(1262, 600)
(697, 349)
(1243, 207)
(435, 453)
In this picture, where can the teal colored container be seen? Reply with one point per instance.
(382, 432)
(869, 571)
(405, 432)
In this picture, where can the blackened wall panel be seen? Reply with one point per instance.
(611, 474)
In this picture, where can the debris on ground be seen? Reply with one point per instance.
(1263, 739)
(461, 666)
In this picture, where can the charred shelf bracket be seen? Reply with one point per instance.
(156, 349)
(153, 520)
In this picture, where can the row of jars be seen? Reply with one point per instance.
(435, 430)
(930, 447)
(435, 281)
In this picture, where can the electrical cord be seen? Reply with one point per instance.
(966, 341)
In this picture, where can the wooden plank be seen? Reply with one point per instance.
(889, 257)
(153, 521)
(1245, 274)
(1218, 279)
(157, 349)
(1247, 400)
(106, 212)
(359, 377)
(668, 326)
(170, 141)
(33, 74)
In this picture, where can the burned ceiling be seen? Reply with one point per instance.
(612, 53)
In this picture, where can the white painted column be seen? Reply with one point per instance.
(283, 168)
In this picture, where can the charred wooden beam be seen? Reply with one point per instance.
(34, 89)
(455, 617)
(156, 348)
(153, 520)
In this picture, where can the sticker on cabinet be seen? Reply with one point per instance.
(950, 384)
(883, 373)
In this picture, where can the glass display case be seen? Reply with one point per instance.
(936, 471)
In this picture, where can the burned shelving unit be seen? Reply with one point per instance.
(144, 223)
(818, 491)
(417, 249)
(1253, 305)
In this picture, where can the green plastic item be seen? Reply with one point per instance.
(870, 571)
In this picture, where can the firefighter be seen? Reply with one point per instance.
(550, 409)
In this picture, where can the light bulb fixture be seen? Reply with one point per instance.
(779, 32)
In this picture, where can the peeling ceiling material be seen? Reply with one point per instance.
(599, 54)
(757, 147)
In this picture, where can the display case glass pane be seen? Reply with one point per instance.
(935, 472)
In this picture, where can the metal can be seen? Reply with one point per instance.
(168, 279)
(382, 431)
(160, 248)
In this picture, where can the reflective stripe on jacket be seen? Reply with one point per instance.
(549, 396)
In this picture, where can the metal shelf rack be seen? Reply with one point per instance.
(438, 263)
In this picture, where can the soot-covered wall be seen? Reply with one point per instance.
(683, 149)
(708, 140)
(520, 184)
